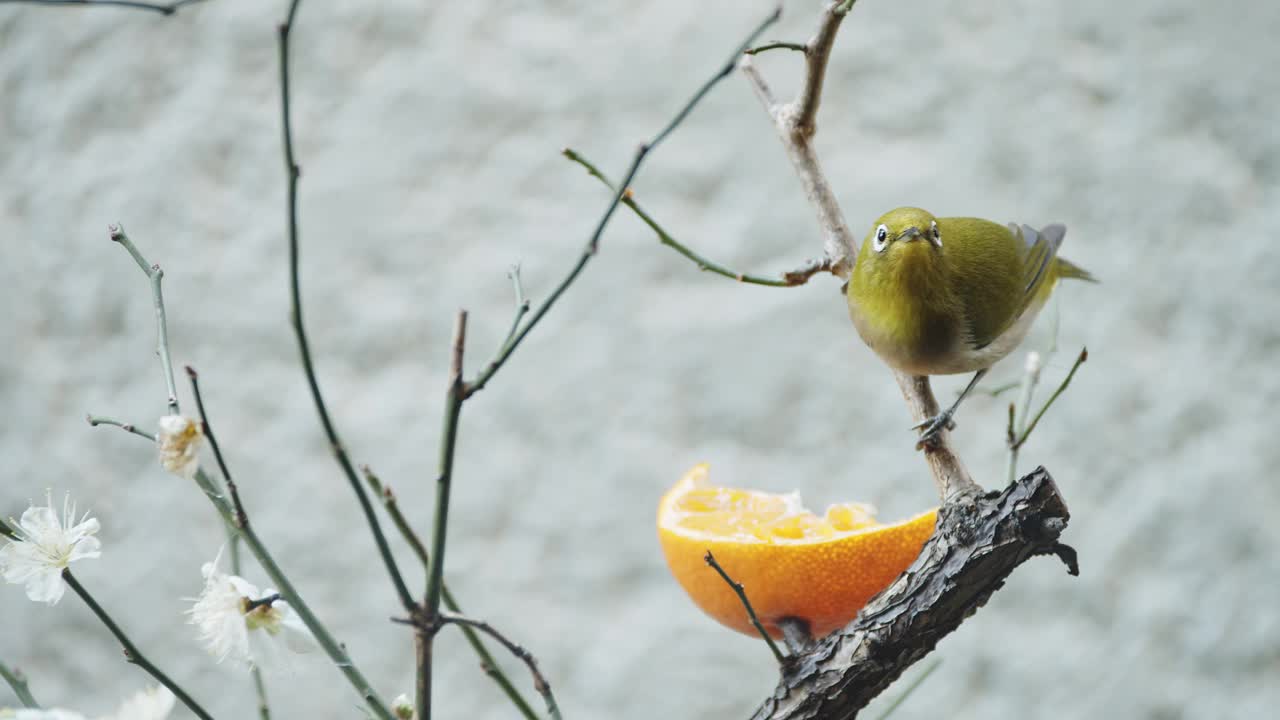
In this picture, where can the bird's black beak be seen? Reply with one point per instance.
(911, 233)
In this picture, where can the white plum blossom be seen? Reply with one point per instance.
(237, 621)
(151, 704)
(45, 546)
(179, 442)
(402, 708)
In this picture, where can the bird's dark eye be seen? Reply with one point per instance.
(935, 234)
(882, 239)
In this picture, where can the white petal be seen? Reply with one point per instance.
(151, 704)
(38, 524)
(46, 586)
(88, 547)
(88, 526)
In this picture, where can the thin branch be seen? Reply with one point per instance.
(486, 658)
(522, 303)
(454, 397)
(539, 681)
(790, 279)
(448, 439)
(96, 420)
(155, 275)
(241, 518)
(593, 242)
(304, 347)
(751, 613)
(800, 47)
(397, 518)
(18, 683)
(131, 652)
(240, 521)
(816, 55)
(1084, 355)
(260, 688)
(335, 650)
(163, 9)
(1031, 376)
(795, 124)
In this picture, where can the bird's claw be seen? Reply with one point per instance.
(930, 428)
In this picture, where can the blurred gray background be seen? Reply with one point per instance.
(428, 135)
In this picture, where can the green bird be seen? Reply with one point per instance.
(939, 296)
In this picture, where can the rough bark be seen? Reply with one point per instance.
(980, 539)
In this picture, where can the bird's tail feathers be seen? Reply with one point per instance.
(1068, 269)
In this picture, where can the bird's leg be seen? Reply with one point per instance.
(930, 427)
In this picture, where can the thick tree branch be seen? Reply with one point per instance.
(979, 541)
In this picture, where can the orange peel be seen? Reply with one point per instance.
(791, 562)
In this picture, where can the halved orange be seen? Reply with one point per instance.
(790, 562)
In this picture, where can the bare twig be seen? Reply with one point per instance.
(162, 8)
(333, 649)
(539, 681)
(18, 683)
(398, 519)
(817, 53)
(789, 279)
(454, 397)
(304, 347)
(1030, 376)
(426, 618)
(131, 652)
(795, 123)
(96, 420)
(800, 47)
(487, 662)
(593, 242)
(751, 613)
(241, 518)
(1080, 359)
(449, 436)
(522, 303)
(155, 275)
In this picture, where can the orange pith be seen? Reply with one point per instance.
(791, 562)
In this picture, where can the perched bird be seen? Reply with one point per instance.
(938, 296)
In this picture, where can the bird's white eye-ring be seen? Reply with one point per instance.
(882, 239)
(935, 234)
